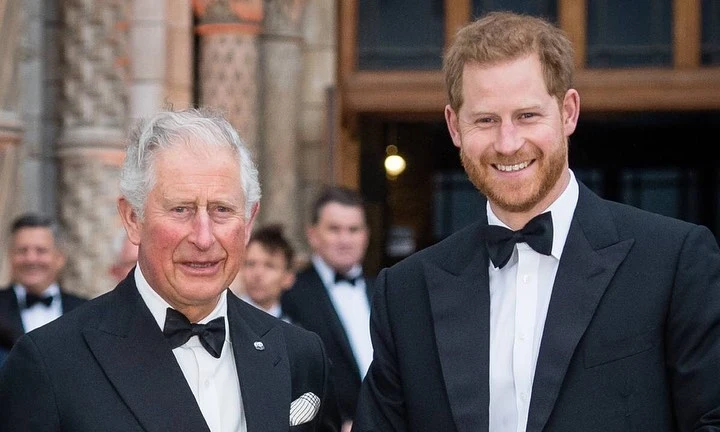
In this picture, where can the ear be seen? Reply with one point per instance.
(288, 280)
(250, 222)
(311, 233)
(570, 111)
(60, 260)
(451, 118)
(130, 220)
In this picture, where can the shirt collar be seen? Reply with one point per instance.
(21, 292)
(327, 273)
(158, 306)
(562, 210)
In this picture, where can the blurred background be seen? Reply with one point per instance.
(345, 92)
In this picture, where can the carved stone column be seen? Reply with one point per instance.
(10, 138)
(281, 66)
(10, 127)
(91, 147)
(228, 56)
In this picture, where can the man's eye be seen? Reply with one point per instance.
(527, 115)
(179, 209)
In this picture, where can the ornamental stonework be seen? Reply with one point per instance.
(89, 187)
(228, 72)
(95, 62)
(283, 17)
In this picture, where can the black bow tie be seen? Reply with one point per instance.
(343, 277)
(538, 234)
(32, 299)
(178, 330)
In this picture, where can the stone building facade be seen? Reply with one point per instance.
(75, 74)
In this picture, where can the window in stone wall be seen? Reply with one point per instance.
(622, 33)
(544, 8)
(400, 34)
(710, 55)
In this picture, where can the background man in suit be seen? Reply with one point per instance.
(34, 297)
(268, 270)
(591, 316)
(331, 296)
(170, 348)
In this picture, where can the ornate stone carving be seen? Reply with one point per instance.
(94, 117)
(229, 61)
(241, 16)
(283, 17)
(11, 22)
(96, 63)
(89, 187)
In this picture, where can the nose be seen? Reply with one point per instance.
(202, 231)
(509, 140)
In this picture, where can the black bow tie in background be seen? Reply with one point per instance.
(341, 277)
(538, 234)
(32, 299)
(178, 330)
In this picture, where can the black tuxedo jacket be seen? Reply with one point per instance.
(106, 366)
(631, 340)
(10, 318)
(308, 305)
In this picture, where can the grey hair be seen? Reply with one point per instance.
(169, 129)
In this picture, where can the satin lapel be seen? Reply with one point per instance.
(10, 312)
(338, 331)
(590, 259)
(460, 303)
(131, 349)
(263, 368)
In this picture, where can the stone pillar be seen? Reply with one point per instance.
(318, 116)
(161, 42)
(228, 72)
(10, 138)
(11, 23)
(281, 68)
(91, 147)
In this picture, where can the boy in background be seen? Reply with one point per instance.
(268, 269)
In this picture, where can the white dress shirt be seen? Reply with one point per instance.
(519, 299)
(352, 306)
(213, 381)
(39, 314)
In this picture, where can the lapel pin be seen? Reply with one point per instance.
(259, 346)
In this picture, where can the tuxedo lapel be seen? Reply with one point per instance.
(10, 312)
(592, 254)
(138, 361)
(262, 366)
(460, 303)
(323, 300)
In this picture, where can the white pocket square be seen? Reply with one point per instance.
(304, 408)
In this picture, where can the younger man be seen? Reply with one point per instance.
(268, 270)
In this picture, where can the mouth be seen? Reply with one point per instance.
(514, 167)
(201, 267)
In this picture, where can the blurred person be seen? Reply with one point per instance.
(34, 296)
(557, 310)
(331, 296)
(170, 348)
(268, 270)
(124, 257)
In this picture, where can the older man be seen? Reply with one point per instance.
(34, 297)
(171, 348)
